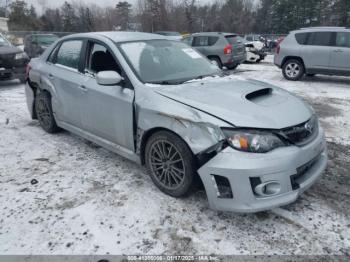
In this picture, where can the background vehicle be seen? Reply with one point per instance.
(318, 50)
(13, 61)
(36, 44)
(170, 34)
(162, 104)
(224, 49)
(255, 50)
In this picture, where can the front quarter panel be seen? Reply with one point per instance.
(199, 130)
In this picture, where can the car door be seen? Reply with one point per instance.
(64, 74)
(340, 52)
(317, 51)
(107, 110)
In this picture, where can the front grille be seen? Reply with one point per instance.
(7, 61)
(303, 133)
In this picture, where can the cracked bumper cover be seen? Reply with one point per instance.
(278, 165)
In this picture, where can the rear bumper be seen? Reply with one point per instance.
(281, 167)
(235, 59)
(277, 60)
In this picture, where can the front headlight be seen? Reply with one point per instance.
(21, 56)
(252, 140)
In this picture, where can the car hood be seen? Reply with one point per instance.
(7, 50)
(242, 103)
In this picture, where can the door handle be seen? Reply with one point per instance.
(51, 76)
(339, 51)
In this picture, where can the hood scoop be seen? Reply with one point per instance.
(258, 94)
(265, 97)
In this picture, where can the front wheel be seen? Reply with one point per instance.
(170, 163)
(293, 70)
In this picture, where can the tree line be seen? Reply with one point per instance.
(185, 16)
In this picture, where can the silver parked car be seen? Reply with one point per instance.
(223, 49)
(160, 103)
(315, 50)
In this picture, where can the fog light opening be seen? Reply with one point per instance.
(223, 187)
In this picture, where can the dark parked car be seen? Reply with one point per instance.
(13, 61)
(35, 45)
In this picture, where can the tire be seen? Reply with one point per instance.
(216, 60)
(232, 67)
(293, 70)
(173, 171)
(43, 109)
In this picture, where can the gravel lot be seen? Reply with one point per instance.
(60, 194)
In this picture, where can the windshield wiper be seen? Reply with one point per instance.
(161, 83)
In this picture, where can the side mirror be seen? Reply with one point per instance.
(108, 78)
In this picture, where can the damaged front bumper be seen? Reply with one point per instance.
(245, 182)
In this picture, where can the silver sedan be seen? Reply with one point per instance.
(162, 104)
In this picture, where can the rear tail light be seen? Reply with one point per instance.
(28, 68)
(278, 49)
(228, 49)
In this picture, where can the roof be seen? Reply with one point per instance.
(212, 34)
(323, 28)
(118, 36)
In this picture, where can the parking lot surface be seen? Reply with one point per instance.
(61, 194)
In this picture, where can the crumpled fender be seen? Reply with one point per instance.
(199, 130)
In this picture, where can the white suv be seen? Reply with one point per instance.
(317, 50)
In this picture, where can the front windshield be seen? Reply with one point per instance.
(166, 62)
(46, 39)
(4, 41)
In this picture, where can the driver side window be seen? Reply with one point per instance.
(99, 59)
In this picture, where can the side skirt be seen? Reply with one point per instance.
(124, 152)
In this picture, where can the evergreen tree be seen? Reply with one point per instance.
(69, 18)
(123, 14)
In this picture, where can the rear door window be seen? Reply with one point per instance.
(201, 41)
(205, 40)
(320, 39)
(342, 39)
(69, 54)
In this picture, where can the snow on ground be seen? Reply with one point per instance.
(88, 200)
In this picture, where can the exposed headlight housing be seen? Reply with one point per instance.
(253, 141)
(21, 56)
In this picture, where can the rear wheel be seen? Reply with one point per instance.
(293, 70)
(216, 61)
(232, 67)
(44, 112)
(171, 163)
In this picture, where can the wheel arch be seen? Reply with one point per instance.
(214, 56)
(287, 58)
(146, 135)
